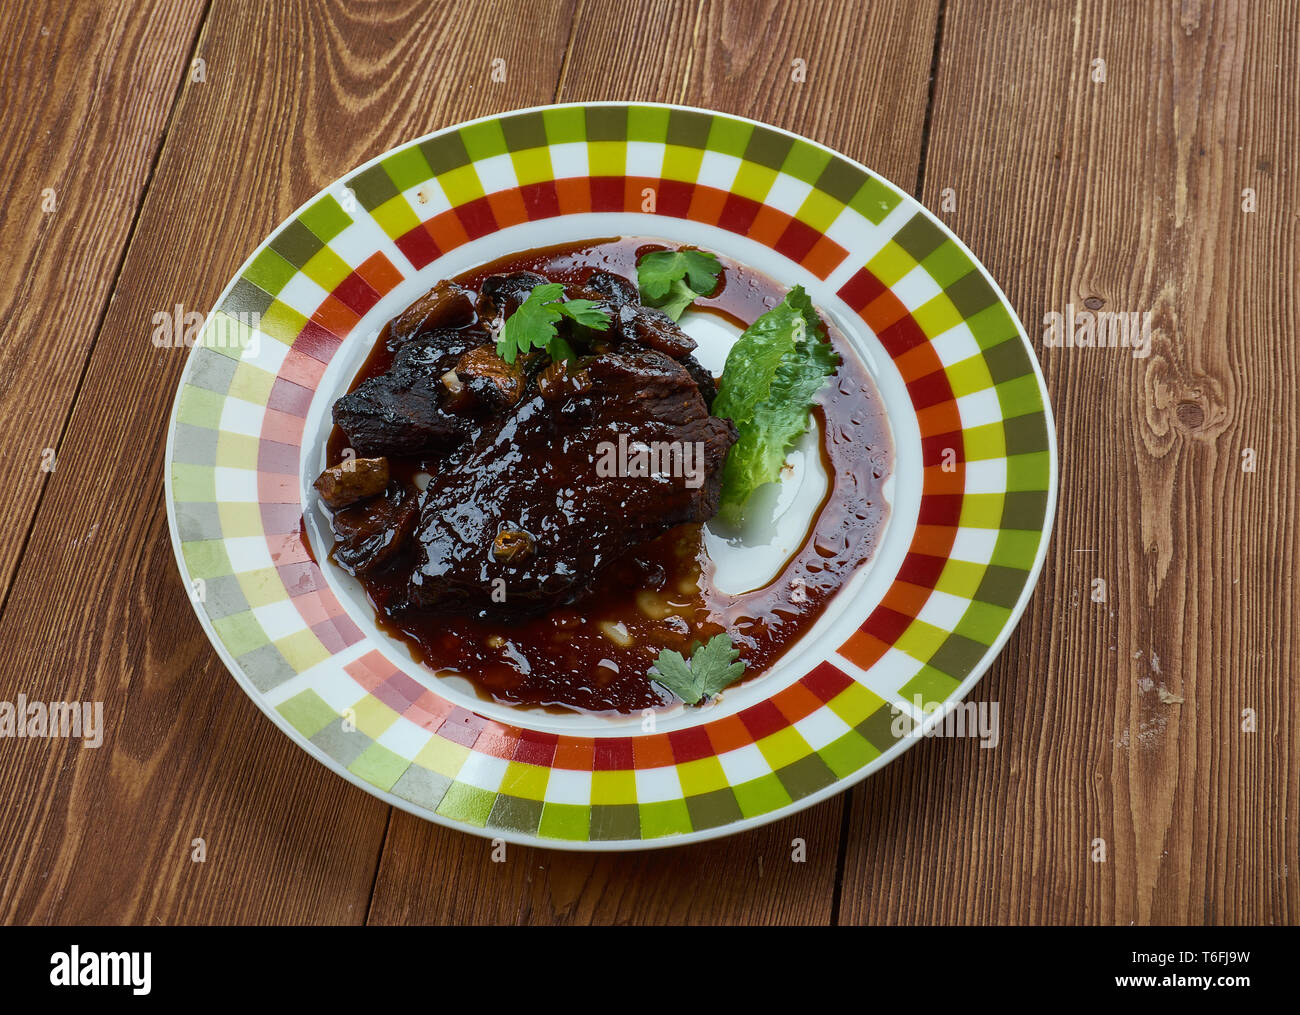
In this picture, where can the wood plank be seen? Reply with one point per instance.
(435, 875)
(85, 95)
(97, 611)
(1127, 193)
(865, 94)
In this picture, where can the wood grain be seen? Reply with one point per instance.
(741, 62)
(1127, 193)
(96, 611)
(86, 91)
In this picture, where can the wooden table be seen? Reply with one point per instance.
(147, 146)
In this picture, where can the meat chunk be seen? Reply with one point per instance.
(501, 295)
(655, 329)
(562, 379)
(369, 535)
(406, 411)
(352, 480)
(446, 305)
(632, 322)
(436, 346)
(707, 383)
(569, 484)
(496, 384)
(613, 290)
(400, 412)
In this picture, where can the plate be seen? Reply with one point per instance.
(971, 499)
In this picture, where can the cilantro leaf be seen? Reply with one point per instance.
(713, 666)
(680, 296)
(558, 349)
(671, 280)
(585, 312)
(767, 387)
(532, 325)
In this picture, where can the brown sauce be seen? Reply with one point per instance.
(593, 656)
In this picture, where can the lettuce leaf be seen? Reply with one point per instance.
(767, 388)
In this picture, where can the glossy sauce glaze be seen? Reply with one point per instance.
(593, 656)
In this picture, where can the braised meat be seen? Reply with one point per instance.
(398, 413)
(494, 384)
(614, 289)
(368, 535)
(631, 322)
(402, 412)
(653, 328)
(705, 380)
(503, 489)
(568, 482)
(502, 294)
(446, 305)
(352, 480)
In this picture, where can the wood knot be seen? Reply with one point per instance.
(1191, 416)
(1175, 405)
